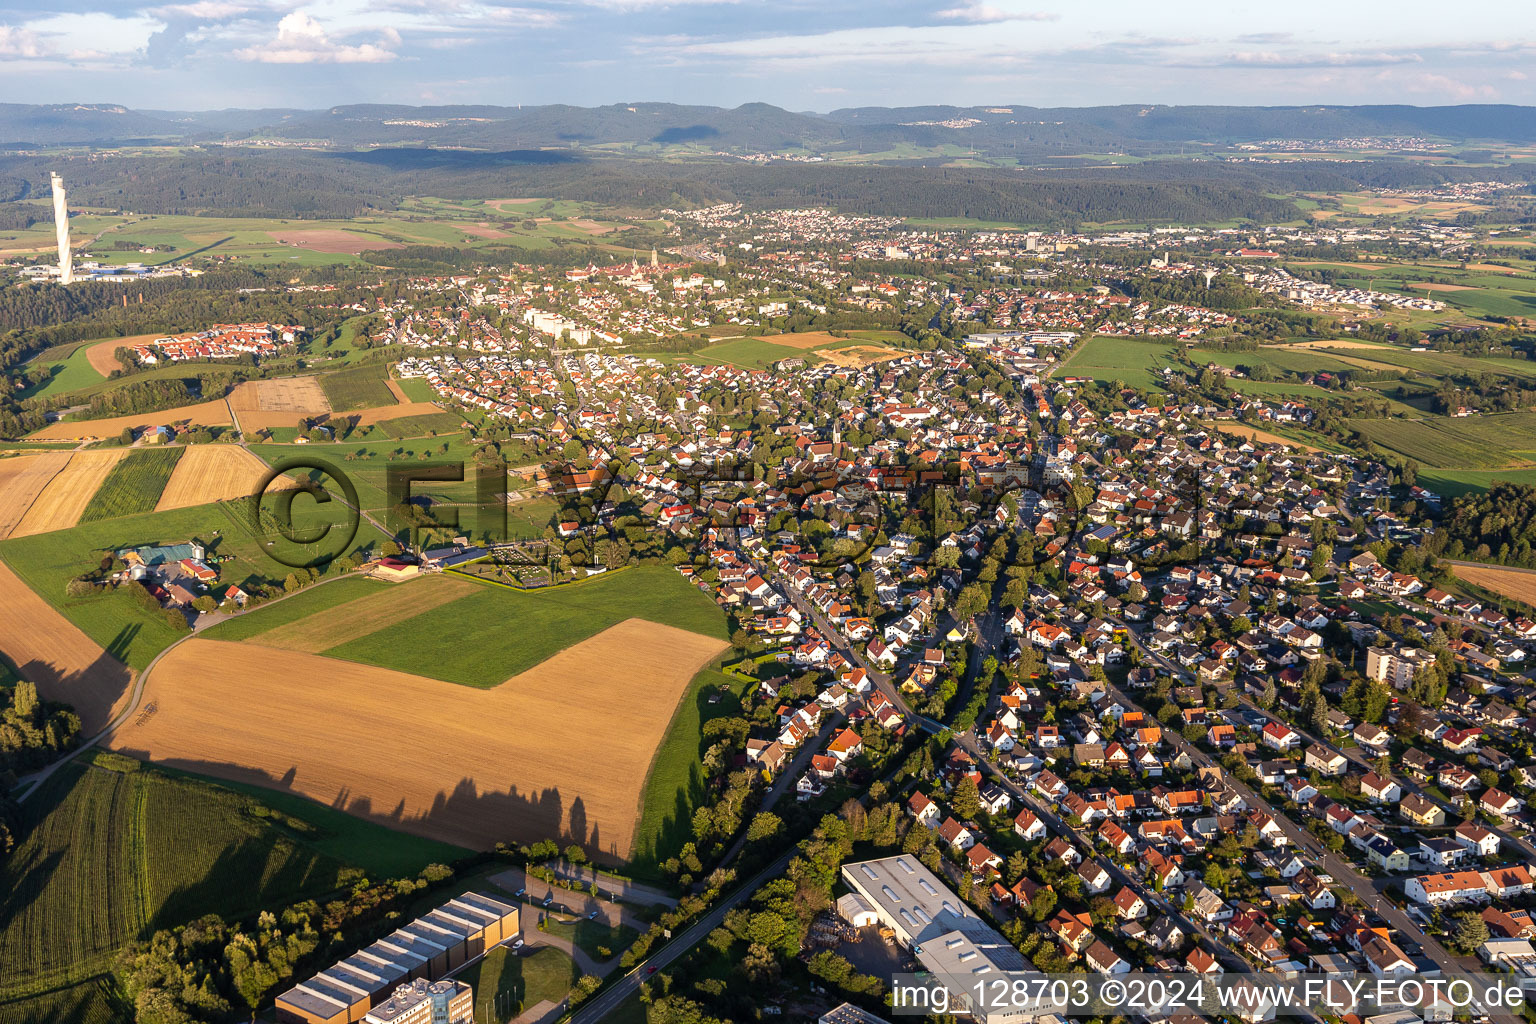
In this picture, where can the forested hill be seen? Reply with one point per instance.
(286, 183)
(1002, 130)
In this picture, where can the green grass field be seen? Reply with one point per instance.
(1124, 359)
(486, 637)
(505, 984)
(67, 370)
(360, 388)
(748, 353)
(90, 1002)
(134, 485)
(592, 937)
(109, 856)
(368, 462)
(417, 389)
(429, 425)
(1477, 442)
(675, 785)
(46, 561)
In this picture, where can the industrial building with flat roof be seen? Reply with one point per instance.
(947, 937)
(424, 1002)
(426, 949)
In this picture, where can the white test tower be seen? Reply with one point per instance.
(61, 228)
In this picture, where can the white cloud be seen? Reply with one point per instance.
(203, 10)
(20, 44)
(977, 13)
(303, 40)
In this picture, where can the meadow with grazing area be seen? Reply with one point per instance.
(22, 479)
(133, 484)
(62, 502)
(375, 742)
(427, 425)
(1519, 584)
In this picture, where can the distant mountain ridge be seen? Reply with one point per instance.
(1002, 129)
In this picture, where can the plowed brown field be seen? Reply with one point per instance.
(211, 472)
(363, 615)
(52, 652)
(22, 479)
(562, 749)
(59, 505)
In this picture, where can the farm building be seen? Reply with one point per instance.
(426, 949)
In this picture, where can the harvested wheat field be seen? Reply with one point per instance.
(1259, 436)
(332, 240)
(59, 505)
(361, 616)
(101, 354)
(1519, 584)
(804, 339)
(212, 472)
(561, 749)
(282, 394)
(22, 479)
(1431, 286)
(213, 413)
(52, 652)
(859, 355)
(1341, 343)
(370, 416)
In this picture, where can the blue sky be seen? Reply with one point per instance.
(798, 54)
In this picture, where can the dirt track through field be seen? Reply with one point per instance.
(52, 652)
(396, 390)
(1510, 582)
(59, 505)
(205, 414)
(394, 602)
(562, 749)
(22, 479)
(212, 472)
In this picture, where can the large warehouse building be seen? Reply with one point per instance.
(428, 948)
(949, 938)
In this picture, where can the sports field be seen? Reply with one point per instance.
(55, 654)
(61, 503)
(451, 763)
(211, 472)
(22, 479)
